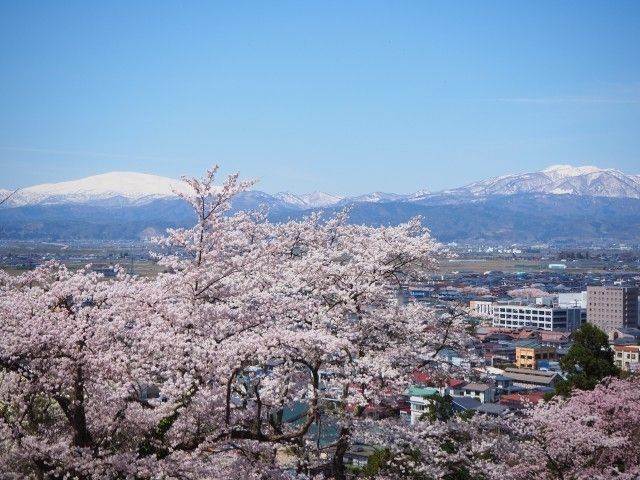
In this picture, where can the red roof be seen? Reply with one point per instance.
(522, 398)
(455, 383)
(421, 377)
(626, 348)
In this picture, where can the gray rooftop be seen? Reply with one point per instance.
(541, 373)
(539, 377)
(492, 409)
(477, 387)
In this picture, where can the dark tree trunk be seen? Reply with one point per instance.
(337, 465)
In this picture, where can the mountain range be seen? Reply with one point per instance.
(558, 204)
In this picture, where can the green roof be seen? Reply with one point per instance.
(423, 391)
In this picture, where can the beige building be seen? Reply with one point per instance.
(627, 357)
(610, 308)
(528, 357)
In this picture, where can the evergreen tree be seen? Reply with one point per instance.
(589, 360)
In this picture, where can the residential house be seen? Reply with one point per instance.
(531, 379)
(533, 355)
(503, 385)
(358, 455)
(518, 401)
(627, 357)
(454, 388)
(630, 334)
(492, 409)
(480, 391)
(419, 399)
(463, 404)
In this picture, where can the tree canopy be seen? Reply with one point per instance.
(589, 360)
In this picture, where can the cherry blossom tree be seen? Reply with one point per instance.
(527, 292)
(591, 435)
(459, 448)
(473, 290)
(191, 374)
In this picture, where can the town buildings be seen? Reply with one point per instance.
(573, 299)
(535, 355)
(481, 307)
(518, 401)
(611, 308)
(420, 398)
(544, 317)
(532, 379)
(625, 335)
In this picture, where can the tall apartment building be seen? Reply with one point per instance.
(610, 308)
(566, 319)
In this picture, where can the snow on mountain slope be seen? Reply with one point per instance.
(560, 179)
(319, 199)
(308, 200)
(128, 187)
(377, 197)
(4, 195)
(290, 199)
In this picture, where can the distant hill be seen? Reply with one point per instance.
(561, 204)
(560, 180)
(518, 218)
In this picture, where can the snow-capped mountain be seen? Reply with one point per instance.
(114, 187)
(309, 200)
(560, 179)
(130, 188)
(377, 197)
(600, 205)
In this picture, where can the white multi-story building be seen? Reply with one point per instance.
(578, 299)
(481, 307)
(543, 317)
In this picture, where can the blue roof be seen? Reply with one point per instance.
(466, 403)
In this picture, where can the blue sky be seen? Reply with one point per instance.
(343, 97)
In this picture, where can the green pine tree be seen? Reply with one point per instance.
(589, 360)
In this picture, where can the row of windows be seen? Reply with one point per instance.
(509, 323)
(527, 311)
(632, 356)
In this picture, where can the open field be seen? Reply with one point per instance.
(18, 256)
